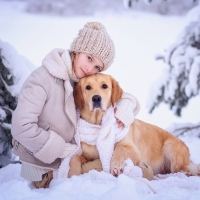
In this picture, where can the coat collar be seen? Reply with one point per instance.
(59, 64)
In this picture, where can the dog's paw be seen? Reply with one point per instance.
(131, 170)
(116, 167)
(117, 164)
(75, 165)
(147, 171)
(120, 154)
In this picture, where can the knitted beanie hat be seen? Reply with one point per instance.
(94, 39)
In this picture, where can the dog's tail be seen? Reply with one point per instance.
(193, 169)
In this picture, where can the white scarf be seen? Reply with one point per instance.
(103, 136)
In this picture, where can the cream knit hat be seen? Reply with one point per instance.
(94, 39)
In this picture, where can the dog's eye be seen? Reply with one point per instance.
(88, 87)
(104, 86)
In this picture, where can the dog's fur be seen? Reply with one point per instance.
(144, 142)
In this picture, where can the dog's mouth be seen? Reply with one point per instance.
(96, 102)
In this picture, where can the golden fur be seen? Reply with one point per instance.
(144, 142)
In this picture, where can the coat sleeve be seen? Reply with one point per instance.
(127, 108)
(45, 145)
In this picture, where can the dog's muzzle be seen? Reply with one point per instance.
(96, 100)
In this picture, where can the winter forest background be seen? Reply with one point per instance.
(162, 70)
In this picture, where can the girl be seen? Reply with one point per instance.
(44, 122)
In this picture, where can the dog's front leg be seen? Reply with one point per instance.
(90, 152)
(120, 154)
(75, 165)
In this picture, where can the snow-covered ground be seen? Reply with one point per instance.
(138, 37)
(99, 185)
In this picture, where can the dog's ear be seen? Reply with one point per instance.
(78, 97)
(116, 91)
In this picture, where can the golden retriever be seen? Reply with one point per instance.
(144, 142)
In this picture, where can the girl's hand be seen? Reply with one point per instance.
(119, 123)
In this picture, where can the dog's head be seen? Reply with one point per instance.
(97, 91)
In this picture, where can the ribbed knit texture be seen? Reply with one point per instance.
(94, 39)
(67, 150)
(32, 172)
(103, 136)
(63, 170)
(109, 134)
(127, 108)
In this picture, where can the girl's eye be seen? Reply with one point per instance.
(104, 86)
(89, 58)
(98, 68)
(88, 87)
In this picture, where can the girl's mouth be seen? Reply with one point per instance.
(83, 72)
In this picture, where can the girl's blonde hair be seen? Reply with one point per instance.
(72, 55)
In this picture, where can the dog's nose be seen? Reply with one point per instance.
(96, 99)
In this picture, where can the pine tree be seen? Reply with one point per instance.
(7, 105)
(13, 71)
(181, 77)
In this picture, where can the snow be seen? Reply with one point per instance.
(18, 66)
(138, 38)
(194, 14)
(193, 77)
(99, 185)
(2, 114)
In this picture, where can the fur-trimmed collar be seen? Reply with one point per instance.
(58, 63)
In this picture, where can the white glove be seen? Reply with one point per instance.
(68, 149)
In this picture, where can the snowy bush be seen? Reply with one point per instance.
(13, 71)
(164, 7)
(75, 7)
(181, 77)
(89, 7)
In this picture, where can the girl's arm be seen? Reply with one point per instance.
(46, 145)
(127, 108)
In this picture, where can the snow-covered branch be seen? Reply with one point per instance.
(13, 71)
(186, 129)
(181, 76)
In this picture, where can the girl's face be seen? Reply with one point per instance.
(86, 64)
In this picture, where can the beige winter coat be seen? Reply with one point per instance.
(45, 116)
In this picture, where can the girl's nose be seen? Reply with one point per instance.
(89, 68)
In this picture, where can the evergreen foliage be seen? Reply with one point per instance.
(14, 69)
(7, 104)
(181, 78)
